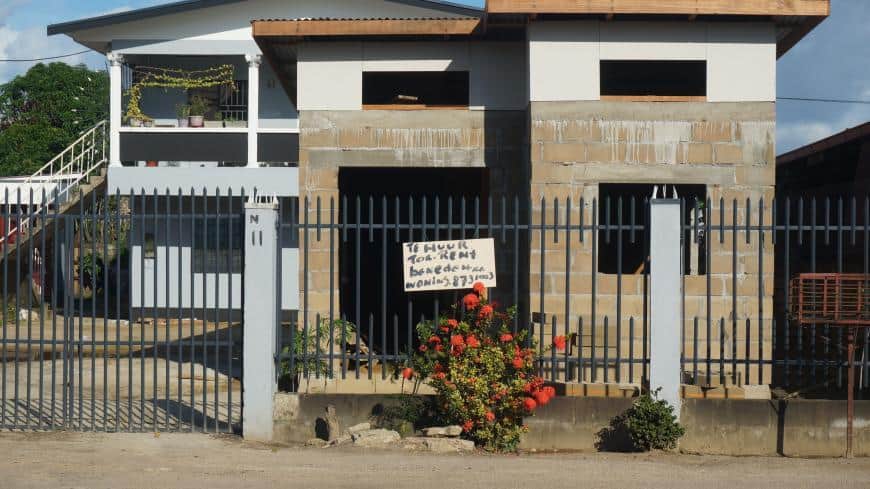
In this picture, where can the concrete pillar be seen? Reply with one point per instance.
(666, 293)
(116, 62)
(253, 107)
(259, 381)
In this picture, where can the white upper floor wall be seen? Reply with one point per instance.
(565, 56)
(330, 73)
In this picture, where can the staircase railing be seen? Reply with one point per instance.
(55, 183)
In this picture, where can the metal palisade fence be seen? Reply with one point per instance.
(123, 314)
(580, 268)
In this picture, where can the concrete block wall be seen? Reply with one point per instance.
(794, 428)
(329, 140)
(729, 147)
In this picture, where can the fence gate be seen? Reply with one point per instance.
(123, 314)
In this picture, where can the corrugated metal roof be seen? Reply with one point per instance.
(187, 5)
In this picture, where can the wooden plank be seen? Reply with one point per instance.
(796, 35)
(364, 27)
(412, 107)
(677, 7)
(653, 98)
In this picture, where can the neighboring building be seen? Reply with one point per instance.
(835, 173)
(835, 165)
(542, 100)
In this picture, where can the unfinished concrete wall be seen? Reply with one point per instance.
(729, 147)
(795, 428)
(330, 140)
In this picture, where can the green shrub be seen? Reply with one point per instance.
(311, 351)
(650, 424)
(90, 268)
(484, 374)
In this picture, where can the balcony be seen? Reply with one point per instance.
(182, 122)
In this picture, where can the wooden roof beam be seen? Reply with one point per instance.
(365, 27)
(813, 8)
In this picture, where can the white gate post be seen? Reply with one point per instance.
(259, 379)
(666, 269)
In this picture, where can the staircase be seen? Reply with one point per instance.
(57, 188)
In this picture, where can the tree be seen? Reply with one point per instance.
(46, 109)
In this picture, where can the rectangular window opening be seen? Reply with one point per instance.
(653, 80)
(616, 251)
(415, 90)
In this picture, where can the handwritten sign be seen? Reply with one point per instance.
(445, 265)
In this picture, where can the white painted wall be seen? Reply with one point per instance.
(215, 283)
(564, 56)
(741, 63)
(330, 74)
(563, 61)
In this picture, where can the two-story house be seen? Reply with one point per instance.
(538, 99)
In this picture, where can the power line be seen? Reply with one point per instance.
(825, 100)
(44, 59)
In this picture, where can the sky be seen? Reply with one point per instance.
(832, 62)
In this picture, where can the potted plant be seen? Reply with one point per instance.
(182, 112)
(231, 121)
(198, 107)
(217, 122)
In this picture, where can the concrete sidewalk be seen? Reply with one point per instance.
(93, 461)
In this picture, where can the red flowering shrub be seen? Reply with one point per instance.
(484, 375)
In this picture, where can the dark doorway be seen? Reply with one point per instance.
(381, 208)
(622, 205)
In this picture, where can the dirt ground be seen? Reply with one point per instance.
(93, 461)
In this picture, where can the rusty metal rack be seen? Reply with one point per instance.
(837, 299)
(840, 300)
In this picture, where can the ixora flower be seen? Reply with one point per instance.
(457, 340)
(518, 363)
(407, 373)
(490, 416)
(467, 426)
(506, 338)
(479, 288)
(471, 301)
(542, 398)
(472, 342)
(529, 404)
(485, 312)
(434, 339)
(559, 342)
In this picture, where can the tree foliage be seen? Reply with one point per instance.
(46, 109)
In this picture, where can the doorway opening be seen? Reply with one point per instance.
(381, 208)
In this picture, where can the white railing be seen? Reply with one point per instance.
(55, 182)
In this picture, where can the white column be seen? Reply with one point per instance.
(116, 62)
(253, 107)
(666, 294)
(259, 383)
